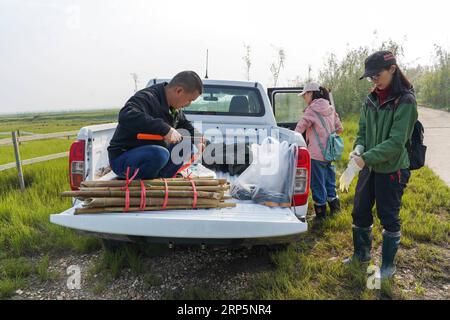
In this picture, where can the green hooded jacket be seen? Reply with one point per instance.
(385, 129)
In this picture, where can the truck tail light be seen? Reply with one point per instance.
(76, 164)
(302, 177)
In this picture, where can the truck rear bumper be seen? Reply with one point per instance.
(245, 221)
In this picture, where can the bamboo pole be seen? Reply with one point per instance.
(151, 193)
(155, 202)
(137, 209)
(155, 182)
(187, 188)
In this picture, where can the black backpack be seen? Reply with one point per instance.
(415, 147)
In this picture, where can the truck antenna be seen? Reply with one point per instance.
(206, 75)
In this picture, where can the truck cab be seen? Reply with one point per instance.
(236, 111)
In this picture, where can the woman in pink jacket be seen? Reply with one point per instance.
(323, 174)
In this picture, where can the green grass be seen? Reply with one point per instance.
(25, 229)
(42, 269)
(55, 121)
(48, 123)
(32, 149)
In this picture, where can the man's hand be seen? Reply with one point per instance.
(173, 136)
(359, 161)
(200, 147)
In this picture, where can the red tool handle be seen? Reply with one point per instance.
(147, 136)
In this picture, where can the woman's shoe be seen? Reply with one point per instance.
(321, 213)
(335, 206)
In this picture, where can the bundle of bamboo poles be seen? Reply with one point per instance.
(110, 196)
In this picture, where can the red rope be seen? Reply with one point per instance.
(194, 202)
(187, 165)
(166, 196)
(127, 189)
(143, 196)
(193, 158)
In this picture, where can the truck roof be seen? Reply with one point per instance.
(212, 82)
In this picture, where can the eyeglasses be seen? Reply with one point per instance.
(374, 78)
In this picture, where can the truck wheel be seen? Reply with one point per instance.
(278, 247)
(270, 248)
(112, 245)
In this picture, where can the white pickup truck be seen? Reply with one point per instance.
(221, 107)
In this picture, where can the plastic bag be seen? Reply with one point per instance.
(197, 170)
(244, 187)
(270, 176)
(348, 175)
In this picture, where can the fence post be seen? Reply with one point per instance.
(18, 162)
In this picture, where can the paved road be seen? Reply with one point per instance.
(437, 140)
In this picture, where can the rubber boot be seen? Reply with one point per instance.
(335, 206)
(362, 244)
(391, 241)
(321, 212)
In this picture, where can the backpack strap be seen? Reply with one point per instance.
(396, 104)
(318, 140)
(322, 121)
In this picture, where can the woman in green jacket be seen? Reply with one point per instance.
(386, 124)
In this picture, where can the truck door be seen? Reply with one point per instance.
(287, 106)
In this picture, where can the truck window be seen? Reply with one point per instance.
(227, 101)
(289, 107)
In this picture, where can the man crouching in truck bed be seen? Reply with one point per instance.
(154, 111)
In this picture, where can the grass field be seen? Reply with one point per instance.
(308, 269)
(48, 123)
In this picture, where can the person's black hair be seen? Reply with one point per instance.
(400, 83)
(322, 94)
(188, 80)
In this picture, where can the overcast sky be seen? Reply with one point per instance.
(61, 55)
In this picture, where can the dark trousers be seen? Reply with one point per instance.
(153, 161)
(384, 189)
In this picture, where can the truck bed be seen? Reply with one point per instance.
(247, 220)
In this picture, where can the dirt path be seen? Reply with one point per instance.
(437, 140)
(165, 275)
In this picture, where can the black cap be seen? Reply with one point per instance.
(378, 62)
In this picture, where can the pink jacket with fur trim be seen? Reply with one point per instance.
(310, 119)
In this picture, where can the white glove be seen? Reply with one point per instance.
(359, 150)
(348, 175)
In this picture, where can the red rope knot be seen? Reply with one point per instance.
(166, 195)
(194, 202)
(126, 188)
(143, 196)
